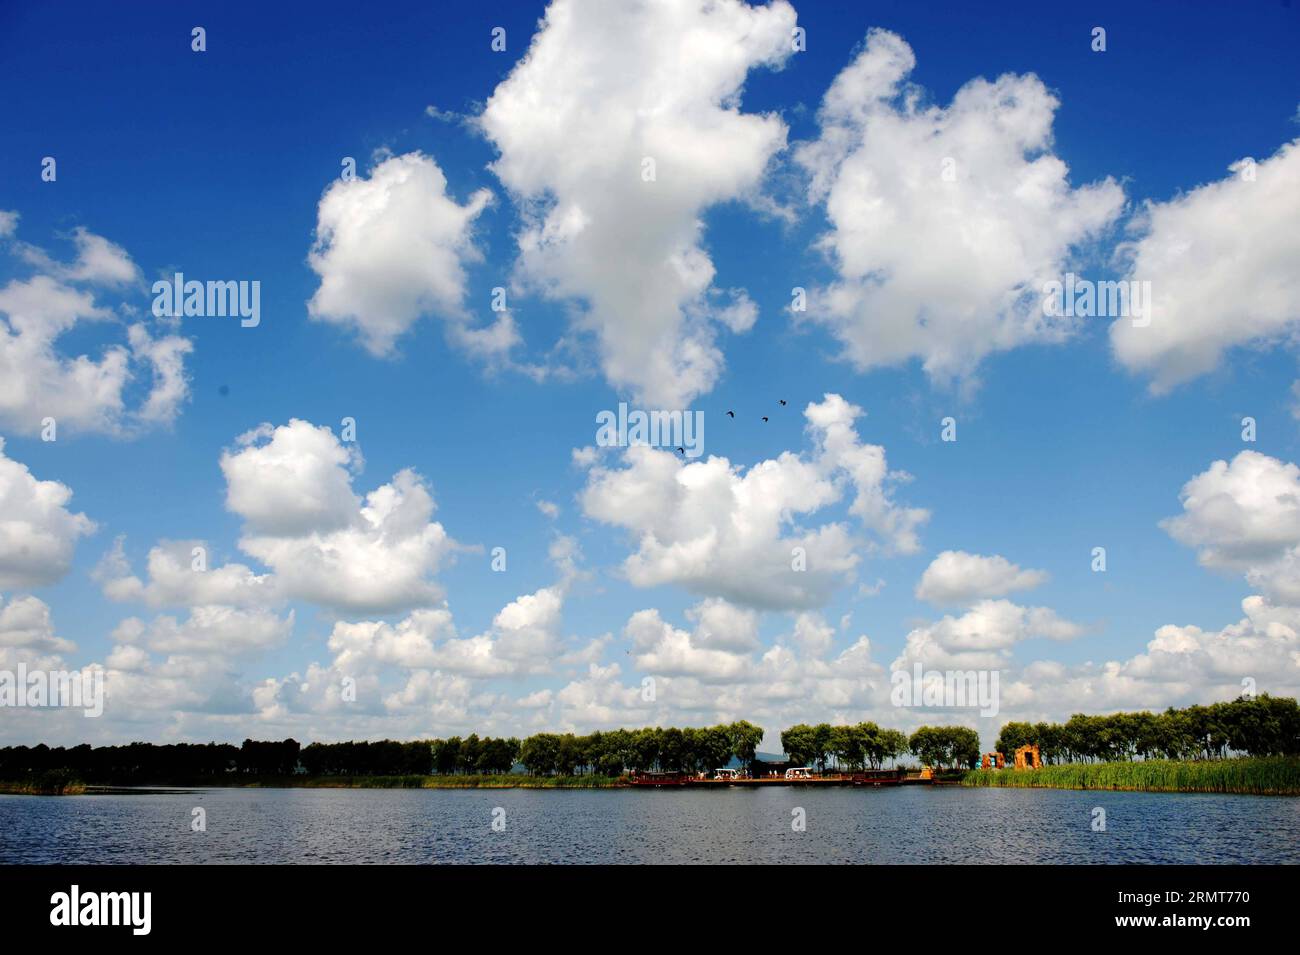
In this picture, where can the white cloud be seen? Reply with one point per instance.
(291, 479)
(524, 638)
(956, 577)
(81, 393)
(943, 271)
(982, 637)
(25, 625)
(720, 625)
(662, 649)
(1244, 516)
(38, 533)
(409, 643)
(176, 579)
(98, 261)
(1221, 260)
(216, 630)
(292, 485)
(1181, 665)
(421, 669)
(602, 88)
(721, 530)
(392, 248)
(812, 634)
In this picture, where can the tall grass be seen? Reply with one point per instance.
(1260, 776)
(53, 782)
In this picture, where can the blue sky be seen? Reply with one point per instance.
(215, 163)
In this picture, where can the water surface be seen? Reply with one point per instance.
(901, 825)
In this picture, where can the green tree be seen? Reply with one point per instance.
(745, 740)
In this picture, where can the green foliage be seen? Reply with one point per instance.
(944, 746)
(53, 782)
(851, 747)
(1263, 776)
(1260, 726)
(610, 754)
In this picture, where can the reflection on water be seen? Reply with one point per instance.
(912, 824)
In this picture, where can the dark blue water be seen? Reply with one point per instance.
(911, 824)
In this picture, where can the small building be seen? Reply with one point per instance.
(993, 761)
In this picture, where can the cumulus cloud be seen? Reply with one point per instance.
(293, 487)
(393, 247)
(1221, 260)
(982, 637)
(82, 393)
(25, 625)
(222, 631)
(956, 577)
(601, 91)
(179, 576)
(422, 674)
(1181, 665)
(945, 221)
(1244, 516)
(661, 648)
(695, 685)
(38, 533)
(524, 638)
(726, 531)
(291, 479)
(720, 625)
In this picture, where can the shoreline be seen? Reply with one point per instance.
(503, 781)
(1248, 776)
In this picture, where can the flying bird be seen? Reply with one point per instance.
(782, 400)
(681, 451)
(731, 414)
(764, 417)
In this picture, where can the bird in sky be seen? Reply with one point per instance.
(764, 417)
(681, 451)
(731, 414)
(782, 400)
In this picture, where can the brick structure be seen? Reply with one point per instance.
(1027, 757)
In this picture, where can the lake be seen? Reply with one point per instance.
(843, 825)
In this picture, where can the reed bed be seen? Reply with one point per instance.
(44, 784)
(1259, 776)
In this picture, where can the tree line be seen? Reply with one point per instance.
(606, 753)
(1259, 726)
(868, 746)
(150, 762)
(649, 749)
